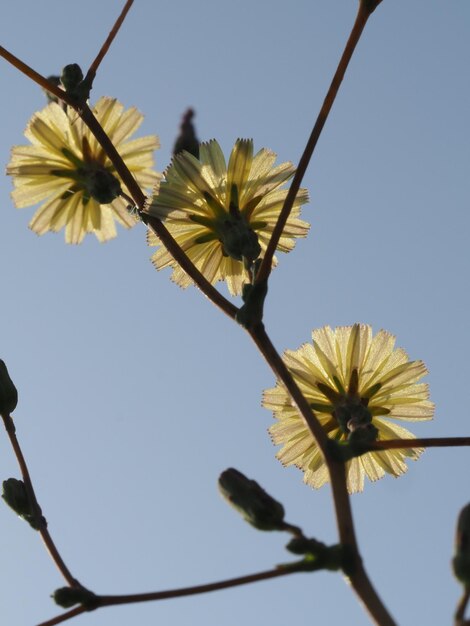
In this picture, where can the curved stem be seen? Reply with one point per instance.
(63, 617)
(359, 24)
(190, 591)
(423, 442)
(43, 531)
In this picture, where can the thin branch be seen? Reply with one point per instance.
(154, 223)
(359, 24)
(63, 617)
(358, 577)
(190, 591)
(43, 531)
(424, 442)
(105, 47)
(37, 78)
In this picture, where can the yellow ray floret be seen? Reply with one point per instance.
(351, 379)
(66, 169)
(210, 208)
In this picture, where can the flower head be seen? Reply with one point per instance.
(352, 380)
(223, 216)
(67, 169)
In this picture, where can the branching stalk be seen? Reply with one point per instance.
(358, 578)
(63, 617)
(43, 531)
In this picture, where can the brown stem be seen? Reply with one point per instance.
(424, 442)
(359, 24)
(190, 591)
(113, 600)
(358, 577)
(37, 78)
(63, 617)
(43, 531)
(109, 40)
(154, 223)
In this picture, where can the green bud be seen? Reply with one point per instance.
(67, 597)
(8, 392)
(256, 506)
(16, 496)
(71, 76)
(74, 84)
(461, 560)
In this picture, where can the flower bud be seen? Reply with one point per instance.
(15, 495)
(256, 506)
(75, 84)
(67, 597)
(71, 76)
(461, 560)
(8, 392)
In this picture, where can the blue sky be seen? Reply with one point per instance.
(135, 394)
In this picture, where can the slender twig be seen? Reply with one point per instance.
(154, 223)
(359, 24)
(63, 617)
(105, 47)
(37, 78)
(190, 591)
(43, 531)
(113, 600)
(459, 617)
(358, 577)
(424, 442)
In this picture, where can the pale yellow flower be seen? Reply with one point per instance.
(65, 165)
(222, 215)
(351, 380)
